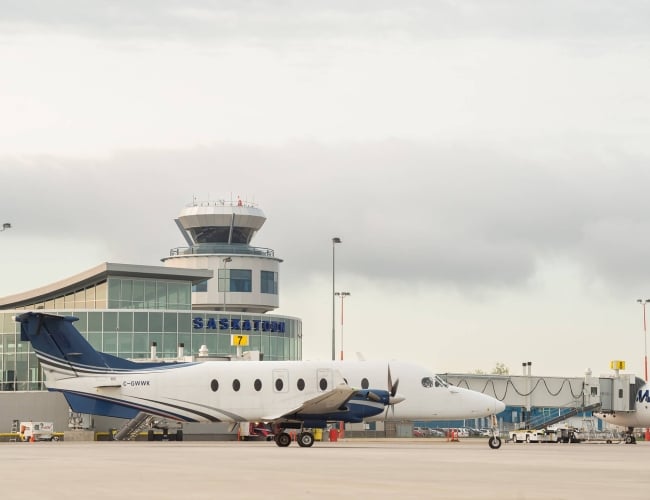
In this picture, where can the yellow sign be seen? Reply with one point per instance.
(239, 340)
(617, 365)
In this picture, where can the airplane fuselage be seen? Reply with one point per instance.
(287, 394)
(262, 390)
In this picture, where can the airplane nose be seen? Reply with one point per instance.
(494, 406)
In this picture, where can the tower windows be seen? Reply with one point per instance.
(269, 282)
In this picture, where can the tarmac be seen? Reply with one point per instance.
(398, 469)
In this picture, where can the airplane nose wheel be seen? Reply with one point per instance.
(495, 442)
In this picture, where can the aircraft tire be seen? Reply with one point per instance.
(305, 439)
(495, 442)
(283, 440)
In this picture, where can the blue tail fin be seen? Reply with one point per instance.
(58, 342)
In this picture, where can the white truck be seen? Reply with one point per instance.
(37, 431)
(529, 436)
(550, 434)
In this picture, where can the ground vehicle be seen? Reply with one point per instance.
(550, 434)
(254, 430)
(531, 436)
(39, 431)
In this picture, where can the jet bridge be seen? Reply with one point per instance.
(618, 395)
(617, 392)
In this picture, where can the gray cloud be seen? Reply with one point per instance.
(435, 215)
(258, 22)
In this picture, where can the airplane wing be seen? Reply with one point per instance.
(327, 402)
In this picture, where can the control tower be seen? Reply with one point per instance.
(218, 234)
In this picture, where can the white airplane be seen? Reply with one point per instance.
(638, 416)
(286, 394)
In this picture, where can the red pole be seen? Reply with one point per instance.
(645, 339)
(342, 296)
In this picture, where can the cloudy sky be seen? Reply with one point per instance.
(485, 163)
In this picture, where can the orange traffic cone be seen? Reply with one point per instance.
(32, 439)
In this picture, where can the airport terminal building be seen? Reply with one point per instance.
(216, 287)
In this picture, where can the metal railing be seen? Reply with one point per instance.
(220, 249)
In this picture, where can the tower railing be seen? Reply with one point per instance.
(222, 248)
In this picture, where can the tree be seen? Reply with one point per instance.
(500, 369)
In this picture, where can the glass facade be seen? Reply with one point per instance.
(269, 282)
(235, 280)
(124, 316)
(122, 293)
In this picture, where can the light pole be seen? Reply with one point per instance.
(5, 226)
(645, 336)
(342, 295)
(335, 240)
(225, 278)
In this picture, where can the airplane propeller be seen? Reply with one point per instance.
(392, 390)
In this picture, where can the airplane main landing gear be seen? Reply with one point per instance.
(283, 440)
(629, 436)
(305, 439)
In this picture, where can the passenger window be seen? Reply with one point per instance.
(236, 385)
(301, 384)
(323, 384)
(364, 383)
(214, 385)
(258, 385)
(278, 384)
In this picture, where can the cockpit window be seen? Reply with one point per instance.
(433, 382)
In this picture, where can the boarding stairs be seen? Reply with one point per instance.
(133, 427)
(572, 413)
(15, 426)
